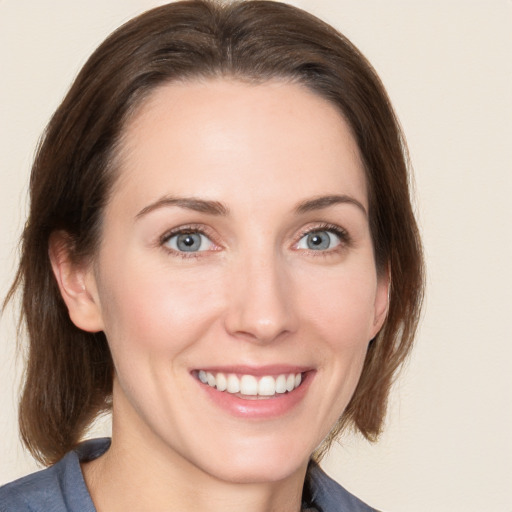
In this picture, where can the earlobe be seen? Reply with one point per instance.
(76, 283)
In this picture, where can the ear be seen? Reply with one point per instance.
(381, 305)
(77, 284)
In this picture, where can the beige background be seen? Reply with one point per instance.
(447, 65)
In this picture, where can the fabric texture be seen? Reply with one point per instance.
(61, 488)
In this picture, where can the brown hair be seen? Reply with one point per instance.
(69, 372)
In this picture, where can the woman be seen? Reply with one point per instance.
(221, 249)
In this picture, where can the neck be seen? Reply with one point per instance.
(121, 480)
(139, 473)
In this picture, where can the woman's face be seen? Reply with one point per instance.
(235, 261)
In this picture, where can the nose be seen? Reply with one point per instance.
(260, 301)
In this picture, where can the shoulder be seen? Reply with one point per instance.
(59, 488)
(329, 496)
(19, 495)
(38, 491)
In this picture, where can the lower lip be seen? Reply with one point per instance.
(259, 408)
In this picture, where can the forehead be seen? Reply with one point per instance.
(216, 137)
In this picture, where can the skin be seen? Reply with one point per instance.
(254, 295)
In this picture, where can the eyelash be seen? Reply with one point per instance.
(342, 234)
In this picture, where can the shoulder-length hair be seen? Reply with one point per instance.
(69, 372)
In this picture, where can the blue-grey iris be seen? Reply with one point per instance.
(318, 240)
(188, 242)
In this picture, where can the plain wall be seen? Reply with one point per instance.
(447, 66)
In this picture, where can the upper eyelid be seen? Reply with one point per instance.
(187, 228)
(338, 230)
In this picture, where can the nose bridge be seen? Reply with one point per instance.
(260, 300)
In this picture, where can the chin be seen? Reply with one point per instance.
(259, 463)
(260, 472)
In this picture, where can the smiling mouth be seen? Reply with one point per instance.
(249, 386)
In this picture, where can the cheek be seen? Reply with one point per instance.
(340, 303)
(156, 309)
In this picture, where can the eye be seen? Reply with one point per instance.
(319, 240)
(189, 242)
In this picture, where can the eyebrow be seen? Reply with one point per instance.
(189, 203)
(219, 209)
(319, 203)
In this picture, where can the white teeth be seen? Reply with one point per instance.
(222, 382)
(233, 384)
(281, 384)
(267, 386)
(249, 384)
(290, 382)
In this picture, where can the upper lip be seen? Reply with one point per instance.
(257, 371)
